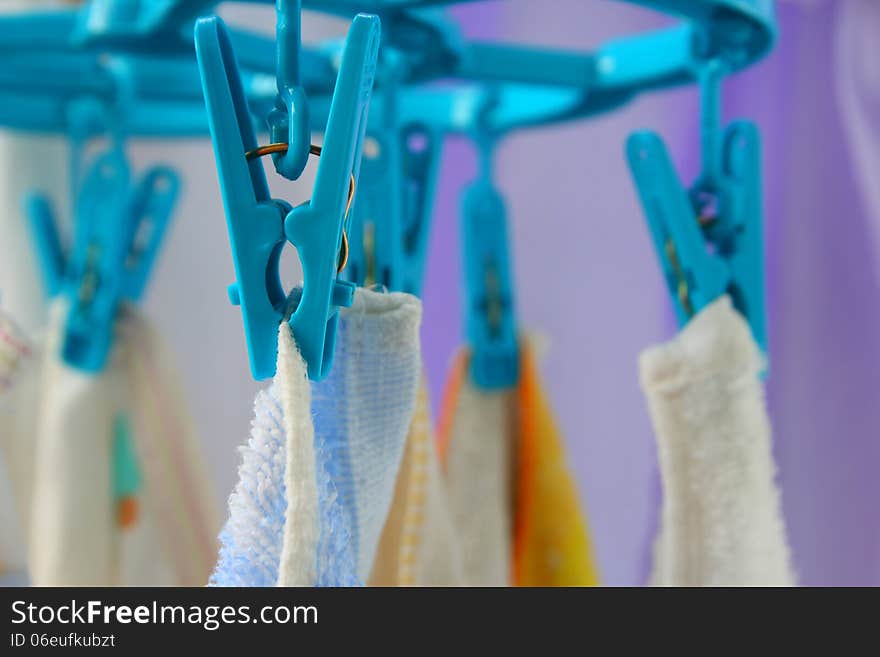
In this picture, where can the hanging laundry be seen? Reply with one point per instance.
(420, 544)
(513, 496)
(16, 382)
(721, 521)
(476, 438)
(319, 470)
(71, 461)
(14, 350)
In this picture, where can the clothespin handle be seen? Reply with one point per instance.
(254, 221)
(376, 223)
(315, 228)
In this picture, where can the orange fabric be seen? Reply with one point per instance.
(551, 546)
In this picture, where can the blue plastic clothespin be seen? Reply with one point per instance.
(490, 317)
(376, 214)
(289, 121)
(392, 212)
(118, 234)
(709, 238)
(259, 226)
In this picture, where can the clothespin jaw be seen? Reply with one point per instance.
(254, 221)
(117, 235)
(315, 228)
(259, 226)
(490, 324)
(709, 238)
(738, 232)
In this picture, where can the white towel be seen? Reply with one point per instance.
(16, 356)
(59, 441)
(479, 479)
(319, 470)
(721, 522)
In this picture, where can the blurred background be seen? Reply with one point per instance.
(587, 276)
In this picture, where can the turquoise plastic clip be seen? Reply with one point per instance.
(709, 238)
(376, 229)
(392, 213)
(43, 70)
(289, 121)
(118, 234)
(490, 317)
(259, 227)
(154, 25)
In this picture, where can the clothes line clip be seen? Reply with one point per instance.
(258, 226)
(118, 231)
(490, 317)
(391, 216)
(709, 239)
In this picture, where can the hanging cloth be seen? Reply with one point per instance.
(105, 468)
(721, 520)
(318, 472)
(514, 498)
(14, 353)
(420, 543)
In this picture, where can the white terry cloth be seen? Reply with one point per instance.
(16, 354)
(420, 544)
(59, 441)
(72, 519)
(721, 522)
(479, 471)
(12, 550)
(319, 469)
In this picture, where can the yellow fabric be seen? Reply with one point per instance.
(551, 544)
(401, 539)
(418, 546)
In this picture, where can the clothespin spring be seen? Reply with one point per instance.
(281, 147)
